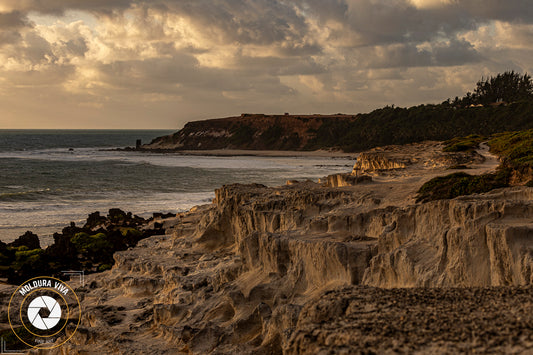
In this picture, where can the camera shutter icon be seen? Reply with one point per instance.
(47, 304)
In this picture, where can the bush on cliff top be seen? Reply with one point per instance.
(515, 147)
(394, 125)
(463, 144)
(515, 150)
(460, 184)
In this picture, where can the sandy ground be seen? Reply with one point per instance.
(398, 187)
(494, 320)
(269, 153)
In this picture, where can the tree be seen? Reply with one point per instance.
(506, 87)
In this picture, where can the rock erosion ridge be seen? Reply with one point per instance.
(307, 268)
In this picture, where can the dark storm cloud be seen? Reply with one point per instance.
(260, 21)
(381, 21)
(455, 52)
(13, 19)
(60, 6)
(509, 10)
(10, 24)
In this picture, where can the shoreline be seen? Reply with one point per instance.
(249, 152)
(269, 153)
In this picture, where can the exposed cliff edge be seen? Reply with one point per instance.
(305, 268)
(251, 272)
(248, 131)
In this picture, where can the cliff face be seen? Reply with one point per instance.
(259, 269)
(377, 161)
(306, 268)
(482, 240)
(248, 131)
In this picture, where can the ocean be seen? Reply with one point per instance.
(49, 178)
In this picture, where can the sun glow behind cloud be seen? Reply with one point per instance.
(120, 63)
(428, 4)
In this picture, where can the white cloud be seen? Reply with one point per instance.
(172, 61)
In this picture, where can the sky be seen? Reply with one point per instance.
(161, 63)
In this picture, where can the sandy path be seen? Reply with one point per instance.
(491, 161)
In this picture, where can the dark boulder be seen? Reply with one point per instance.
(95, 220)
(28, 239)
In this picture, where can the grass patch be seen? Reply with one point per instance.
(459, 184)
(515, 147)
(463, 144)
(516, 151)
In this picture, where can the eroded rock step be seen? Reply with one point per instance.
(247, 277)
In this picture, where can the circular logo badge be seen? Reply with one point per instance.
(44, 312)
(46, 303)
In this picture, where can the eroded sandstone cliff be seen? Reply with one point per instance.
(305, 268)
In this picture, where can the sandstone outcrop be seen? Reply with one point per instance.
(377, 161)
(250, 272)
(389, 159)
(306, 268)
(340, 180)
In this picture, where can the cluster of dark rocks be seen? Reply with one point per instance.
(89, 248)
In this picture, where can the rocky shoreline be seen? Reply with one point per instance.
(323, 268)
(88, 248)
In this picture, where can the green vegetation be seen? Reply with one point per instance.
(89, 248)
(463, 144)
(394, 125)
(241, 135)
(104, 267)
(506, 87)
(130, 232)
(29, 259)
(516, 147)
(516, 151)
(92, 246)
(459, 184)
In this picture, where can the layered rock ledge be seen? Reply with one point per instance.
(307, 268)
(292, 270)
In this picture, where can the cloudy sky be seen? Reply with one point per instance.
(160, 63)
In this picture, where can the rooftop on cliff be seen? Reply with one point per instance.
(498, 104)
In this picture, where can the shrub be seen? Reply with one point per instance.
(242, 135)
(462, 144)
(459, 184)
(92, 244)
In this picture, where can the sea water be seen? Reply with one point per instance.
(49, 178)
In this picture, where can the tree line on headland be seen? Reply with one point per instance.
(498, 104)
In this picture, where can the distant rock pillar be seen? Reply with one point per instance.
(138, 144)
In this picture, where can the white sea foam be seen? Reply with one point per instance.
(46, 186)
